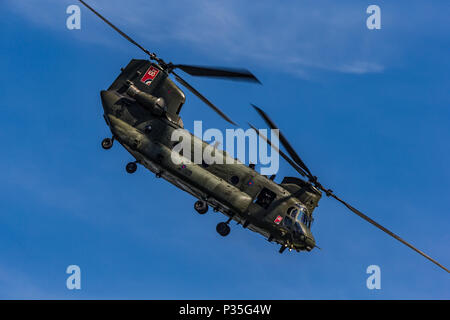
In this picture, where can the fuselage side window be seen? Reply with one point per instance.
(265, 198)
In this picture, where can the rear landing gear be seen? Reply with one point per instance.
(107, 143)
(131, 167)
(201, 206)
(223, 229)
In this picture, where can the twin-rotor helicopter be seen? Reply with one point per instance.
(142, 109)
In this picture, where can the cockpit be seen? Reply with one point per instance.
(297, 221)
(296, 216)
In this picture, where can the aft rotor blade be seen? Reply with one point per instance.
(117, 29)
(199, 95)
(281, 153)
(379, 226)
(227, 73)
(284, 142)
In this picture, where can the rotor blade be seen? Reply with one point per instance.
(198, 94)
(282, 154)
(234, 74)
(115, 28)
(379, 226)
(284, 142)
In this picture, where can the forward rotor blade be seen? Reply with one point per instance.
(379, 226)
(313, 179)
(284, 142)
(228, 73)
(117, 29)
(199, 95)
(281, 153)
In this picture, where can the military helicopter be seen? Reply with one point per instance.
(142, 107)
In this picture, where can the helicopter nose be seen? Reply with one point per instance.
(306, 240)
(310, 243)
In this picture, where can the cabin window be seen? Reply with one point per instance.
(265, 198)
(234, 180)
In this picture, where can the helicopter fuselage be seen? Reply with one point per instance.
(142, 109)
(238, 191)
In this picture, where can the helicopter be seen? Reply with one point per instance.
(142, 110)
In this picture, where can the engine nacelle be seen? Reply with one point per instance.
(153, 104)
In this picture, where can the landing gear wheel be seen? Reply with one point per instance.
(107, 143)
(201, 207)
(223, 229)
(131, 167)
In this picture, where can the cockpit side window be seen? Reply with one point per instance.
(292, 211)
(298, 228)
(287, 222)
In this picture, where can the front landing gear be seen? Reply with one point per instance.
(107, 143)
(223, 229)
(282, 248)
(131, 167)
(201, 207)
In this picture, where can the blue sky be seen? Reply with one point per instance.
(367, 111)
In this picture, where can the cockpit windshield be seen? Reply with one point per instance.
(295, 216)
(303, 216)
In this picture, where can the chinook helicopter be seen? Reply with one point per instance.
(142, 107)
